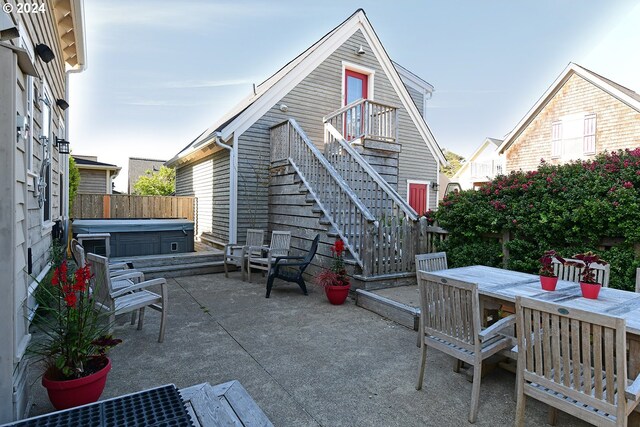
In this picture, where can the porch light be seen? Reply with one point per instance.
(45, 53)
(434, 186)
(62, 145)
(62, 104)
(360, 51)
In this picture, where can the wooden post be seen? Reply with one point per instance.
(106, 206)
(506, 236)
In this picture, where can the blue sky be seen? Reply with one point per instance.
(160, 72)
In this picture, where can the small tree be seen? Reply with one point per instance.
(74, 181)
(455, 162)
(160, 183)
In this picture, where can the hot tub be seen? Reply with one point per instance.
(134, 237)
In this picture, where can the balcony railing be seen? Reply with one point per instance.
(366, 119)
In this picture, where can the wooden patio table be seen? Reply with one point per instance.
(504, 286)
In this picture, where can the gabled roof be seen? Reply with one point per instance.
(85, 162)
(623, 94)
(250, 109)
(493, 143)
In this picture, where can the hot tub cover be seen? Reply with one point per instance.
(85, 226)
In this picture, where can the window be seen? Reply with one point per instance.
(589, 138)
(556, 139)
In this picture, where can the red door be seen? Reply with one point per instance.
(418, 197)
(355, 87)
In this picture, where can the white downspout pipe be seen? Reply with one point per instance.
(233, 185)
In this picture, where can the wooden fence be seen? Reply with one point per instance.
(128, 206)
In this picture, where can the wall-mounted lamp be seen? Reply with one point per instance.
(9, 34)
(360, 51)
(45, 53)
(284, 108)
(434, 186)
(62, 104)
(63, 145)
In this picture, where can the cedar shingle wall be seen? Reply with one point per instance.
(618, 125)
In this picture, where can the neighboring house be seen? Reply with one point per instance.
(483, 165)
(95, 177)
(580, 115)
(239, 168)
(33, 172)
(138, 167)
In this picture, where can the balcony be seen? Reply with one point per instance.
(370, 123)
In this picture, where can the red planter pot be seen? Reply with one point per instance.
(337, 295)
(590, 290)
(548, 283)
(72, 393)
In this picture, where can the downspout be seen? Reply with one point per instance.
(233, 184)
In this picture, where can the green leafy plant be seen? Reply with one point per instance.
(75, 339)
(160, 183)
(74, 181)
(574, 208)
(336, 275)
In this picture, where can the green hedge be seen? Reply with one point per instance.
(570, 208)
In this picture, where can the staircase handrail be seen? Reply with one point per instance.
(353, 104)
(384, 185)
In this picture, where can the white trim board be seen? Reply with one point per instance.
(570, 70)
(369, 72)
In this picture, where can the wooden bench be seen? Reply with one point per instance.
(226, 404)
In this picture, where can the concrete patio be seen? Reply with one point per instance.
(304, 361)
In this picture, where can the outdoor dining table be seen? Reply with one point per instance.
(503, 286)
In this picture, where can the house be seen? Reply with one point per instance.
(484, 164)
(38, 51)
(138, 167)
(95, 177)
(580, 115)
(339, 122)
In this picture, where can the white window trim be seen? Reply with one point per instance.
(47, 225)
(559, 141)
(595, 132)
(369, 72)
(418, 181)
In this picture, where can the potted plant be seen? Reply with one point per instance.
(334, 280)
(588, 285)
(548, 278)
(74, 341)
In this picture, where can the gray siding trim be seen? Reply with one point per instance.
(417, 97)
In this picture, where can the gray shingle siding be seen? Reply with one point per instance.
(418, 98)
(92, 181)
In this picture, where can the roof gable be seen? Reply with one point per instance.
(249, 110)
(491, 144)
(623, 94)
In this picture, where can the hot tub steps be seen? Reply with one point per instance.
(398, 304)
(177, 265)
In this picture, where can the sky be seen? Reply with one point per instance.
(160, 72)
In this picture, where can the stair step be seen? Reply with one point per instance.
(316, 209)
(180, 270)
(172, 260)
(310, 198)
(389, 309)
(324, 221)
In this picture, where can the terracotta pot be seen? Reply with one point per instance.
(71, 393)
(337, 295)
(548, 283)
(590, 290)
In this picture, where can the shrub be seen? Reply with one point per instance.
(568, 208)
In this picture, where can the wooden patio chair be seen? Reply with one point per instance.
(575, 361)
(637, 279)
(115, 269)
(431, 262)
(129, 299)
(572, 273)
(291, 268)
(450, 314)
(262, 258)
(236, 255)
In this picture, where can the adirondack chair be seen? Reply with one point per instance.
(575, 361)
(450, 319)
(236, 255)
(131, 298)
(432, 262)
(262, 258)
(572, 273)
(291, 268)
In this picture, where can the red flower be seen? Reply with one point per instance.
(628, 184)
(71, 299)
(338, 247)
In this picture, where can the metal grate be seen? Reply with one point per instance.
(159, 407)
